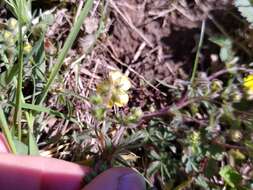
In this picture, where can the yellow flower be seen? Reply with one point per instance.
(119, 80)
(120, 98)
(248, 82)
(114, 90)
(27, 48)
(248, 85)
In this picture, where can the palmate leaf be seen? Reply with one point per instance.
(245, 7)
(230, 176)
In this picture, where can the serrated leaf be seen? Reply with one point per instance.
(245, 8)
(230, 176)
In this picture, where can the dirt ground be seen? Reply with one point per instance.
(155, 42)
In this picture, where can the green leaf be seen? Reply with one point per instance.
(226, 51)
(7, 76)
(22, 149)
(211, 168)
(47, 110)
(245, 8)
(32, 145)
(21, 9)
(201, 181)
(153, 168)
(230, 176)
(154, 155)
(7, 133)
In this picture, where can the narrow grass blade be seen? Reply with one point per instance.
(6, 131)
(63, 53)
(196, 61)
(18, 109)
(32, 145)
(38, 108)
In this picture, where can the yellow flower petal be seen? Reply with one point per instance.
(115, 75)
(119, 80)
(121, 99)
(248, 82)
(110, 104)
(123, 83)
(27, 48)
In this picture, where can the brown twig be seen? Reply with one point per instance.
(225, 71)
(229, 146)
(168, 111)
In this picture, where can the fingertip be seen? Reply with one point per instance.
(131, 181)
(38, 173)
(117, 178)
(63, 175)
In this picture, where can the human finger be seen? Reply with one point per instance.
(38, 173)
(117, 179)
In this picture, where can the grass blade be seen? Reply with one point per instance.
(38, 108)
(63, 53)
(32, 145)
(196, 61)
(6, 131)
(18, 109)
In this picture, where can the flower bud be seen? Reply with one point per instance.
(8, 38)
(236, 96)
(135, 115)
(99, 113)
(236, 135)
(216, 85)
(96, 100)
(137, 112)
(12, 24)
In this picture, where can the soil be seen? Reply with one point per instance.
(156, 41)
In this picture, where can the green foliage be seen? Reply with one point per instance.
(226, 47)
(182, 146)
(21, 9)
(230, 176)
(245, 8)
(30, 69)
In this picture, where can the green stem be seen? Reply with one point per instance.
(18, 108)
(196, 61)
